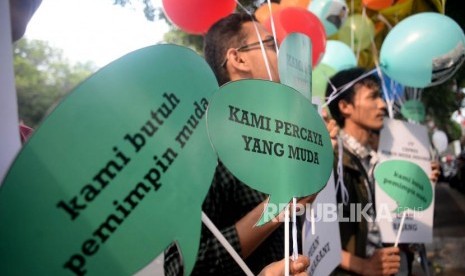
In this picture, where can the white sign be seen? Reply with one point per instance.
(324, 246)
(400, 140)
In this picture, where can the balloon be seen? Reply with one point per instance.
(295, 3)
(299, 20)
(263, 12)
(377, 4)
(398, 11)
(332, 13)
(423, 50)
(320, 77)
(440, 140)
(339, 56)
(361, 28)
(197, 16)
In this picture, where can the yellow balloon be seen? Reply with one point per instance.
(357, 32)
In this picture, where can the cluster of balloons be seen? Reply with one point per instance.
(421, 50)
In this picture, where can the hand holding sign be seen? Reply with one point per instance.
(272, 139)
(107, 181)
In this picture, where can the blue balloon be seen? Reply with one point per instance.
(423, 50)
(338, 55)
(332, 13)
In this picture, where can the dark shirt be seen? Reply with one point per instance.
(228, 200)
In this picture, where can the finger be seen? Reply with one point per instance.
(299, 265)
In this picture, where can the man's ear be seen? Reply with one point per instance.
(345, 107)
(237, 62)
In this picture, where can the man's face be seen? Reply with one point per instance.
(368, 108)
(255, 56)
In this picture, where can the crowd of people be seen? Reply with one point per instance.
(234, 52)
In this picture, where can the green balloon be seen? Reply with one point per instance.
(413, 110)
(358, 30)
(108, 181)
(320, 78)
(295, 63)
(406, 183)
(272, 139)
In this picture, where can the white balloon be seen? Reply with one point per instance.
(440, 140)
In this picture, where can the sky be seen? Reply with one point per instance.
(94, 30)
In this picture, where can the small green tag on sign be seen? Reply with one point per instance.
(272, 139)
(413, 110)
(107, 181)
(406, 183)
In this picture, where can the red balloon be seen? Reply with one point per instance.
(299, 20)
(197, 16)
(377, 4)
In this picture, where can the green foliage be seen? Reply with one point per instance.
(441, 101)
(43, 77)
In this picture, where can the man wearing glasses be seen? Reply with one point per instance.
(233, 49)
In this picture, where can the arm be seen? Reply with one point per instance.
(385, 261)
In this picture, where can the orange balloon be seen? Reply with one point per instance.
(377, 4)
(295, 3)
(263, 12)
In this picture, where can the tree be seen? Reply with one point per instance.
(43, 77)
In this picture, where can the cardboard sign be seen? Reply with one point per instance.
(295, 63)
(324, 247)
(403, 141)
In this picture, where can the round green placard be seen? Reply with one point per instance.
(413, 110)
(108, 180)
(272, 139)
(406, 183)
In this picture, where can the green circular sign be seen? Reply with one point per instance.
(271, 138)
(108, 181)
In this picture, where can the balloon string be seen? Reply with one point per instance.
(384, 20)
(273, 30)
(400, 229)
(352, 30)
(226, 244)
(286, 241)
(262, 47)
(295, 247)
(338, 91)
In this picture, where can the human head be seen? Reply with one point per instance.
(222, 49)
(21, 11)
(363, 83)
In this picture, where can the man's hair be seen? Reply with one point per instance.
(224, 34)
(341, 79)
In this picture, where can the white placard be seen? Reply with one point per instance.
(400, 140)
(324, 247)
(9, 127)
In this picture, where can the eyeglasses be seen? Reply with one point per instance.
(269, 42)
